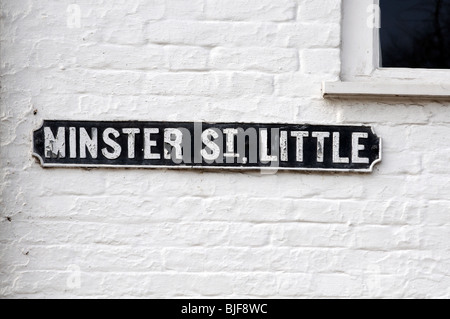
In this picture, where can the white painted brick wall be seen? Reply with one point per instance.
(156, 233)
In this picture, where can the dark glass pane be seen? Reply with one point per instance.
(415, 33)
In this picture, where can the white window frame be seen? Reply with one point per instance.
(361, 74)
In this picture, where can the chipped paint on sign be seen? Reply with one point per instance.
(207, 145)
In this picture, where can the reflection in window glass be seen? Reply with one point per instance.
(415, 34)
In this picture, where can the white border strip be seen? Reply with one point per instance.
(385, 89)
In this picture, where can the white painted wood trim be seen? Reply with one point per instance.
(360, 52)
(385, 89)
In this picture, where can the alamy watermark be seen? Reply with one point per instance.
(73, 16)
(73, 281)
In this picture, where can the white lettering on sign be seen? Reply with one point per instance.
(214, 149)
(117, 149)
(286, 147)
(230, 152)
(73, 142)
(148, 144)
(284, 156)
(356, 147)
(131, 132)
(89, 143)
(55, 147)
(321, 136)
(336, 150)
(175, 143)
(300, 137)
(264, 149)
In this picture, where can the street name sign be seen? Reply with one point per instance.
(199, 145)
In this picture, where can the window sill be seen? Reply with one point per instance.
(385, 89)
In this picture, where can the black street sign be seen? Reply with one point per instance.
(207, 145)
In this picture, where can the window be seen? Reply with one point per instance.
(415, 34)
(371, 67)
